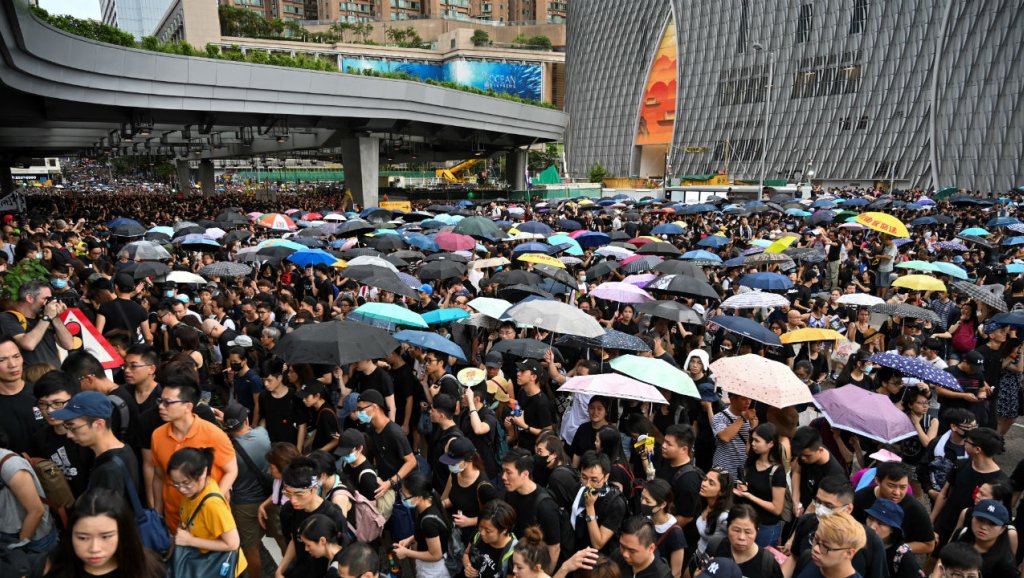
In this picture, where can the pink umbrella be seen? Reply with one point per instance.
(290, 211)
(762, 379)
(254, 215)
(621, 292)
(455, 242)
(613, 385)
(313, 216)
(641, 279)
(865, 413)
(575, 234)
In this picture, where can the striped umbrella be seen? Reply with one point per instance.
(276, 221)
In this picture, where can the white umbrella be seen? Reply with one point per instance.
(614, 252)
(182, 278)
(215, 233)
(490, 306)
(859, 299)
(334, 217)
(761, 379)
(557, 317)
(613, 385)
(753, 300)
(372, 261)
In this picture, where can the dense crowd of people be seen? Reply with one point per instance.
(184, 376)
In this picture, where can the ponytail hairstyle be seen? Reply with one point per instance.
(532, 548)
(419, 486)
(193, 463)
(320, 526)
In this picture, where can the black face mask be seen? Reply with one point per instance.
(236, 367)
(646, 510)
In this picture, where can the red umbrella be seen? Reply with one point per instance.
(455, 242)
(313, 216)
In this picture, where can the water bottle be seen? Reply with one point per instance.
(225, 568)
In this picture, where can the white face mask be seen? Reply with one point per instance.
(822, 511)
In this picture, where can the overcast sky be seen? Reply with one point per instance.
(76, 8)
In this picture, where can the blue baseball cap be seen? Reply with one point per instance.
(426, 288)
(85, 404)
(992, 510)
(707, 391)
(722, 568)
(887, 512)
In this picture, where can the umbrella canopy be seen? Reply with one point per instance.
(682, 285)
(480, 228)
(916, 367)
(659, 248)
(593, 239)
(388, 280)
(334, 343)
(142, 269)
(490, 306)
(621, 292)
(529, 348)
(601, 269)
(541, 259)
(656, 372)
(432, 341)
(556, 274)
(855, 409)
(535, 227)
(883, 223)
(766, 258)
(276, 221)
(919, 283)
(754, 300)
(676, 267)
(761, 379)
(557, 317)
(859, 300)
(391, 313)
(982, 294)
(371, 261)
(766, 281)
(311, 257)
(1013, 318)
(182, 278)
(639, 263)
(701, 255)
(225, 269)
(131, 229)
(144, 251)
(810, 334)
(455, 242)
(747, 328)
(714, 241)
(441, 270)
(613, 385)
(612, 339)
(975, 232)
(904, 310)
(614, 252)
(446, 315)
(515, 277)
(491, 262)
(671, 310)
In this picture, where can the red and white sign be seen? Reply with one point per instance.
(88, 337)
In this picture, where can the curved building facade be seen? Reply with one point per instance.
(916, 92)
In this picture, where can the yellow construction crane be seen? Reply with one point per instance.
(456, 175)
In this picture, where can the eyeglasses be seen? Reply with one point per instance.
(364, 408)
(297, 493)
(182, 485)
(166, 402)
(75, 428)
(816, 543)
(959, 574)
(53, 404)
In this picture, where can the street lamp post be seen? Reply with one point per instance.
(767, 102)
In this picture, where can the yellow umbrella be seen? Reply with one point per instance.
(680, 223)
(810, 334)
(542, 259)
(513, 231)
(781, 244)
(883, 223)
(340, 264)
(919, 283)
(650, 238)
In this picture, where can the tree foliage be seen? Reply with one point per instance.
(597, 172)
(480, 38)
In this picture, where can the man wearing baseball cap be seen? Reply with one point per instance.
(123, 312)
(538, 410)
(87, 420)
(351, 452)
(392, 453)
(251, 447)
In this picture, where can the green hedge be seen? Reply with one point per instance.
(104, 33)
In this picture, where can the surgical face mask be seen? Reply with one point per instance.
(169, 294)
(821, 511)
(363, 417)
(869, 369)
(59, 283)
(236, 367)
(455, 468)
(350, 458)
(407, 502)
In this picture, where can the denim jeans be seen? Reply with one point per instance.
(769, 535)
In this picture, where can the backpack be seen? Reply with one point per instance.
(938, 468)
(965, 338)
(787, 505)
(369, 522)
(385, 503)
(265, 482)
(19, 318)
(500, 444)
(568, 534)
(634, 488)
(55, 485)
(503, 561)
(455, 549)
(121, 409)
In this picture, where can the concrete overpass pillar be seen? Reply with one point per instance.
(184, 175)
(6, 180)
(360, 155)
(206, 176)
(515, 168)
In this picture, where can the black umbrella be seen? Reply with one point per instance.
(659, 248)
(398, 262)
(236, 235)
(683, 285)
(569, 225)
(232, 218)
(515, 277)
(189, 230)
(360, 272)
(359, 252)
(612, 339)
(671, 310)
(142, 269)
(314, 232)
(529, 348)
(441, 270)
(354, 228)
(446, 257)
(385, 243)
(387, 280)
(677, 267)
(275, 251)
(619, 236)
(225, 269)
(981, 241)
(378, 216)
(904, 310)
(516, 293)
(409, 255)
(601, 269)
(804, 254)
(441, 209)
(556, 274)
(129, 230)
(334, 343)
(983, 294)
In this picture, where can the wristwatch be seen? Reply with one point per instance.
(47, 318)
(590, 518)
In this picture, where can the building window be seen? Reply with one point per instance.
(741, 43)
(805, 23)
(844, 123)
(860, 16)
(863, 123)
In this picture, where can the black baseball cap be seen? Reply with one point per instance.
(314, 388)
(350, 439)
(459, 450)
(372, 396)
(529, 365)
(235, 415)
(974, 358)
(493, 360)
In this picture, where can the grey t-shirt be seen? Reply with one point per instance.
(255, 443)
(46, 349)
(11, 511)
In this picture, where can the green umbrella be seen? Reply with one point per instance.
(479, 228)
(391, 313)
(656, 372)
(945, 192)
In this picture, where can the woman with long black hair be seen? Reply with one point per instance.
(102, 541)
(322, 538)
(764, 483)
(431, 529)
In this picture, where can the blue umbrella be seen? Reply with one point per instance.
(916, 367)
(1001, 222)
(432, 224)
(562, 242)
(197, 240)
(923, 221)
(1015, 268)
(391, 313)
(569, 225)
(422, 242)
(554, 287)
(1011, 241)
(750, 204)
(1013, 318)
(125, 221)
(446, 315)
(950, 269)
(431, 341)
(735, 262)
(535, 227)
(823, 204)
(668, 229)
(766, 281)
(714, 241)
(593, 239)
(699, 254)
(311, 257)
(858, 202)
(524, 248)
(975, 231)
(747, 328)
(797, 213)
(699, 208)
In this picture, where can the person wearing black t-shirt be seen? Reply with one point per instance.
(282, 413)
(586, 434)
(432, 529)
(467, 488)
(538, 410)
(358, 471)
(680, 471)
(599, 508)
(982, 445)
(304, 502)
(366, 374)
(815, 463)
(391, 453)
(87, 420)
(637, 546)
(534, 506)
(323, 418)
(445, 430)
(892, 480)
(54, 390)
(407, 390)
(480, 425)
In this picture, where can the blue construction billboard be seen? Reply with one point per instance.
(522, 80)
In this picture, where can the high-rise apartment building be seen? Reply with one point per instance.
(293, 10)
(138, 17)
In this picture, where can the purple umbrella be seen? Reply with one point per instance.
(621, 292)
(865, 413)
(950, 246)
(641, 279)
